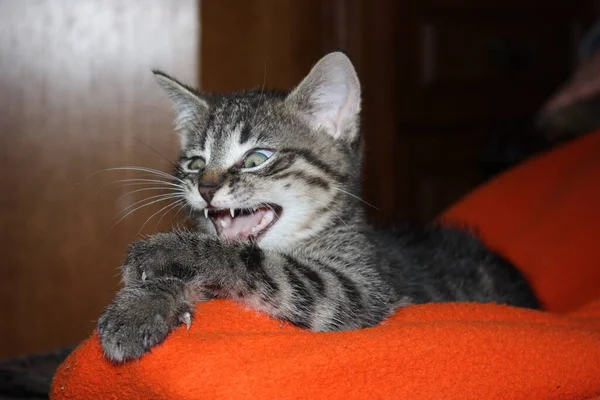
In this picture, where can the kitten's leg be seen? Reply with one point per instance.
(317, 293)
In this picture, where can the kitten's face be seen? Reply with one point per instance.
(270, 167)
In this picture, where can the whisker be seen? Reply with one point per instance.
(148, 170)
(173, 206)
(334, 213)
(126, 183)
(137, 208)
(263, 119)
(135, 168)
(152, 216)
(180, 208)
(140, 180)
(156, 151)
(166, 195)
(355, 196)
(190, 213)
(150, 188)
(262, 91)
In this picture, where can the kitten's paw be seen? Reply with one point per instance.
(164, 254)
(141, 317)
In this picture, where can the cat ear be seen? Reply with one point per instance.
(329, 97)
(190, 107)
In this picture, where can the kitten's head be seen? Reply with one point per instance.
(273, 167)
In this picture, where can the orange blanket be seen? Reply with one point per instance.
(544, 215)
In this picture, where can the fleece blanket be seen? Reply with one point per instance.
(543, 215)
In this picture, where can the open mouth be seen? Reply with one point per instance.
(243, 223)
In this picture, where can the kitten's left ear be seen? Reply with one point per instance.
(329, 97)
(190, 107)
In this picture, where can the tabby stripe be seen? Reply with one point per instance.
(309, 179)
(209, 123)
(351, 292)
(278, 165)
(253, 258)
(302, 300)
(245, 133)
(311, 275)
(315, 161)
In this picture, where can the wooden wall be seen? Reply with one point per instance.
(76, 97)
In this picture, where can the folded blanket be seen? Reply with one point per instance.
(543, 215)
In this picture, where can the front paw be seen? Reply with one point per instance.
(164, 254)
(141, 316)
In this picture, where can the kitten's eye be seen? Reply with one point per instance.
(256, 158)
(196, 164)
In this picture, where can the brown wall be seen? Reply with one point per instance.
(77, 96)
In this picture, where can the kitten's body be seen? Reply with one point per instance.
(287, 167)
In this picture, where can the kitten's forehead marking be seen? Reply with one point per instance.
(223, 142)
(234, 127)
(230, 151)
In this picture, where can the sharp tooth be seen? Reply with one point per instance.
(224, 222)
(267, 218)
(232, 213)
(206, 213)
(253, 229)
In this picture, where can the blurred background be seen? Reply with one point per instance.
(453, 93)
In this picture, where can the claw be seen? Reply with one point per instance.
(144, 275)
(186, 318)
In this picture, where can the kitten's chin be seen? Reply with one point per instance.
(244, 223)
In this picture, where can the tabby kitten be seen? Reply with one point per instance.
(274, 180)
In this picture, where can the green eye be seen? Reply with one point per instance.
(196, 164)
(256, 158)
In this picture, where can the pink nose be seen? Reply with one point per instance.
(210, 181)
(207, 192)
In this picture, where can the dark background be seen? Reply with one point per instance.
(451, 89)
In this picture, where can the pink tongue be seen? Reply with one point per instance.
(240, 226)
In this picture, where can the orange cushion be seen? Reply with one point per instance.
(543, 215)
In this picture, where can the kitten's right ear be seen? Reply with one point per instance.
(190, 107)
(329, 97)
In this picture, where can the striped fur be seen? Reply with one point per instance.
(320, 266)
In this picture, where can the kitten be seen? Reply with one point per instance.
(273, 180)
